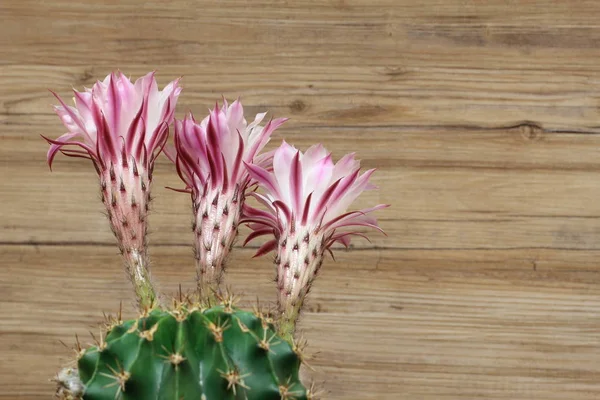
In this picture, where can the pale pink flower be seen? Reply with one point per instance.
(122, 127)
(209, 157)
(306, 199)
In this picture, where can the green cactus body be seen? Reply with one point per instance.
(218, 353)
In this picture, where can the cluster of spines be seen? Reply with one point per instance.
(312, 253)
(300, 255)
(122, 196)
(114, 375)
(216, 222)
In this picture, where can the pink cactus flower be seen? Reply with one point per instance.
(122, 127)
(210, 158)
(306, 199)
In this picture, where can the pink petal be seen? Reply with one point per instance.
(70, 112)
(315, 153)
(369, 222)
(110, 151)
(318, 172)
(264, 178)
(262, 138)
(63, 140)
(162, 135)
(296, 184)
(252, 212)
(237, 163)
(257, 120)
(344, 239)
(305, 212)
(281, 206)
(349, 219)
(258, 233)
(136, 129)
(83, 102)
(213, 134)
(156, 136)
(140, 148)
(265, 160)
(281, 168)
(185, 159)
(225, 186)
(324, 201)
(345, 166)
(267, 247)
(247, 220)
(264, 200)
(342, 200)
(54, 148)
(235, 117)
(113, 111)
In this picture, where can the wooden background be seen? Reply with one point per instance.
(482, 117)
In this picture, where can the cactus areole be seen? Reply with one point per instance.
(202, 346)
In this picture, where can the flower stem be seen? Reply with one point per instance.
(207, 291)
(140, 277)
(287, 323)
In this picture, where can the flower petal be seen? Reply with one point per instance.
(281, 167)
(267, 247)
(258, 233)
(119, 121)
(264, 178)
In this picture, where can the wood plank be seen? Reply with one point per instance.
(342, 29)
(387, 324)
(382, 95)
(458, 189)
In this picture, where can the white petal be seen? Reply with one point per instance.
(282, 161)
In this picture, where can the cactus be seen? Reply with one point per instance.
(189, 352)
(203, 347)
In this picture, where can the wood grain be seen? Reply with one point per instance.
(482, 118)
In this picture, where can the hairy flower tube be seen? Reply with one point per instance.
(306, 199)
(209, 157)
(122, 127)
